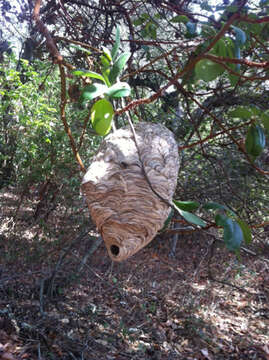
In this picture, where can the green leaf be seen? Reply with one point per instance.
(167, 221)
(191, 29)
(120, 89)
(237, 54)
(233, 79)
(92, 91)
(118, 66)
(219, 48)
(265, 120)
(80, 48)
(233, 235)
(216, 206)
(101, 116)
(241, 112)
(138, 21)
(246, 230)
(180, 19)
(187, 205)
(107, 53)
(116, 46)
(151, 30)
(207, 70)
(240, 36)
(105, 62)
(206, 6)
(88, 73)
(255, 140)
(191, 218)
(143, 17)
(232, 9)
(105, 69)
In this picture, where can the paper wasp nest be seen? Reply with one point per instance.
(126, 211)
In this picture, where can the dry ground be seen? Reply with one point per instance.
(57, 303)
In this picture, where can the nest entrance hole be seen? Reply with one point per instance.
(115, 250)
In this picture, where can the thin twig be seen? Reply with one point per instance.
(43, 30)
(64, 121)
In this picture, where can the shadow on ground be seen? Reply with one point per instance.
(56, 303)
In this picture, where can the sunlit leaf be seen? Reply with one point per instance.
(216, 206)
(118, 66)
(246, 230)
(180, 19)
(241, 112)
(115, 49)
(92, 91)
(240, 35)
(233, 235)
(255, 140)
(208, 70)
(120, 89)
(88, 73)
(187, 205)
(80, 48)
(265, 120)
(191, 218)
(107, 53)
(101, 116)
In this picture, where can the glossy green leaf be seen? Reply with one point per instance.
(120, 89)
(205, 6)
(101, 116)
(191, 26)
(230, 50)
(191, 218)
(187, 205)
(255, 140)
(216, 206)
(88, 73)
(92, 91)
(207, 70)
(107, 53)
(167, 221)
(151, 30)
(80, 48)
(241, 112)
(105, 62)
(115, 49)
(240, 36)
(237, 54)
(143, 17)
(233, 79)
(246, 230)
(219, 48)
(265, 120)
(105, 69)
(180, 19)
(118, 66)
(233, 235)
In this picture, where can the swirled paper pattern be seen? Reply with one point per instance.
(126, 211)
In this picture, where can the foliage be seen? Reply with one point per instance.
(200, 68)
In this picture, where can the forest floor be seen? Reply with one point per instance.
(59, 301)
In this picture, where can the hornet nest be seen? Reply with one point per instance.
(125, 209)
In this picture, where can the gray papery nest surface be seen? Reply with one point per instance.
(126, 211)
